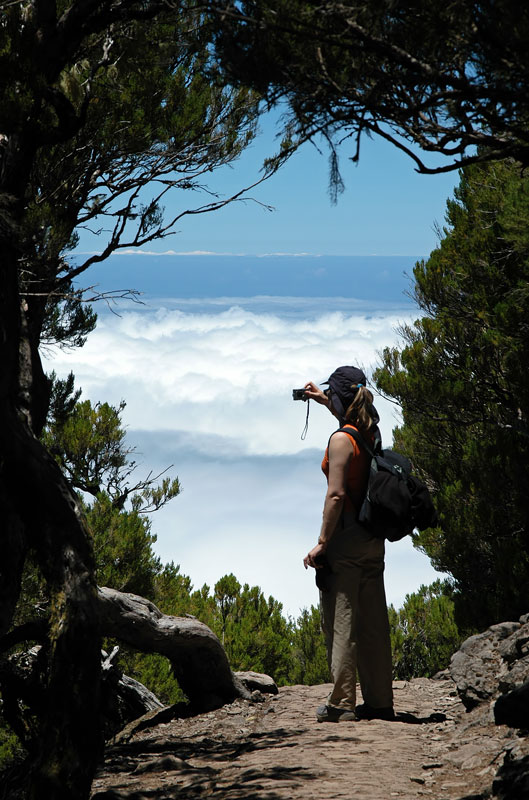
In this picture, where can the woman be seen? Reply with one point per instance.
(353, 604)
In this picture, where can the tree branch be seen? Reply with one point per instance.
(197, 657)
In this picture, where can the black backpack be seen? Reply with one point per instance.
(396, 502)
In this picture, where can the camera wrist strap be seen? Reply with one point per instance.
(305, 429)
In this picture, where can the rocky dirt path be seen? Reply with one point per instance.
(275, 750)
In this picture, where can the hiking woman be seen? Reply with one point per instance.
(352, 599)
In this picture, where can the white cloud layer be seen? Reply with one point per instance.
(208, 388)
(228, 371)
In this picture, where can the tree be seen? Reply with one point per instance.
(88, 443)
(461, 380)
(143, 120)
(173, 655)
(424, 634)
(96, 99)
(173, 594)
(309, 656)
(443, 77)
(253, 630)
(197, 656)
(251, 627)
(123, 548)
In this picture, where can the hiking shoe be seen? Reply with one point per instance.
(334, 714)
(365, 711)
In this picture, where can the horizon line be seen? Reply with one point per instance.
(192, 253)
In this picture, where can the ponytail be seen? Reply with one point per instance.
(361, 413)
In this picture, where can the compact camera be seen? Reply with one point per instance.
(299, 394)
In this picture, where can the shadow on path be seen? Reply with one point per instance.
(251, 784)
(217, 782)
(411, 719)
(122, 756)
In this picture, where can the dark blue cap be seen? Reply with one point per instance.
(344, 383)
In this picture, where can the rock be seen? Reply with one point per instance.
(475, 667)
(256, 681)
(516, 645)
(494, 665)
(513, 708)
(165, 764)
(516, 676)
(512, 779)
(492, 662)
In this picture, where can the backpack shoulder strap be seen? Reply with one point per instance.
(359, 439)
(357, 436)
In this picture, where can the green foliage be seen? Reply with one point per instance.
(88, 442)
(462, 381)
(122, 547)
(63, 398)
(309, 654)
(445, 77)
(252, 629)
(67, 321)
(424, 634)
(154, 671)
(10, 747)
(89, 446)
(173, 592)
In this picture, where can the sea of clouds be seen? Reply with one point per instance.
(208, 389)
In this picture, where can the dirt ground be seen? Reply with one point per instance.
(276, 750)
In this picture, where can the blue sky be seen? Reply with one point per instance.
(386, 279)
(387, 208)
(206, 365)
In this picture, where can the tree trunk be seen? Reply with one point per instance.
(39, 511)
(70, 738)
(197, 657)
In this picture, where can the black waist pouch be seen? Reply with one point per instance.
(323, 573)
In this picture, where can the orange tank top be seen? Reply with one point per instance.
(357, 475)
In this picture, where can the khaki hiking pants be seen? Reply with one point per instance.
(355, 619)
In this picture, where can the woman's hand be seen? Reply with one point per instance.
(310, 558)
(314, 392)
